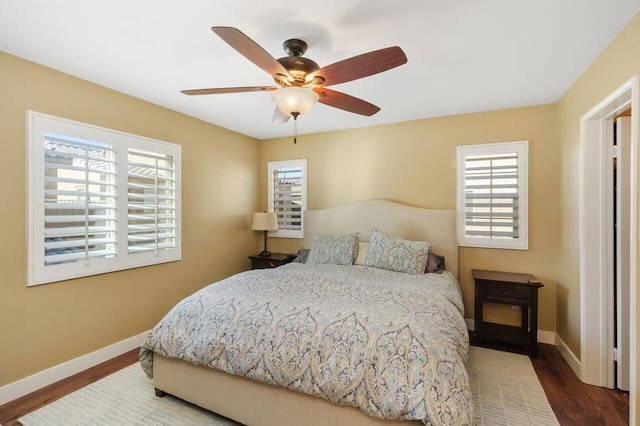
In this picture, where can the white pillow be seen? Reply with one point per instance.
(362, 253)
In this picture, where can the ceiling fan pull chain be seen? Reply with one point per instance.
(295, 126)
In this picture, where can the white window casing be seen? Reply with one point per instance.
(287, 197)
(99, 200)
(492, 196)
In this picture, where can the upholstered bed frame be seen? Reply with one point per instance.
(254, 403)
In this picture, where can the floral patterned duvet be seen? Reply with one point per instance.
(389, 343)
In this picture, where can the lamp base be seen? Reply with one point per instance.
(265, 253)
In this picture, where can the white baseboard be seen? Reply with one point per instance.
(544, 336)
(569, 356)
(58, 372)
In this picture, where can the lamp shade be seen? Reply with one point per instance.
(264, 222)
(294, 99)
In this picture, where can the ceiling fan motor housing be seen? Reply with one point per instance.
(299, 67)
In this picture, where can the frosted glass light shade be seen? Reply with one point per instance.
(294, 99)
(264, 222)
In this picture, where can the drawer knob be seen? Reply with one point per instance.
(506, 293)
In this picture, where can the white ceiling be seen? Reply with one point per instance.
(463, 55)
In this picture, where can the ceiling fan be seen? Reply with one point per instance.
(301, 82)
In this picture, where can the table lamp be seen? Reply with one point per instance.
(267, 221)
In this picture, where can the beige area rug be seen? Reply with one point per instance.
(506, 391)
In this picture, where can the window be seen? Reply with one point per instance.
(492, 195)
(288, 196)
(99, 200)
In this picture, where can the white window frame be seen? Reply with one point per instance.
(271, 167)
(521, 148)
(37, 125)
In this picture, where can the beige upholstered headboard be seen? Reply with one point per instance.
(437, 227)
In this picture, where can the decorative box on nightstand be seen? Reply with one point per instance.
(273, 261)
(508, 288)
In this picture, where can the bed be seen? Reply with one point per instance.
(321, 344)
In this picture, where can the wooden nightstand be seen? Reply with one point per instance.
(508, 288)
(273, 261)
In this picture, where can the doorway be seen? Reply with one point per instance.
(597, 263)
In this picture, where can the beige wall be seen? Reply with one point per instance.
(617, 64)
(46, 325)
(415, 163)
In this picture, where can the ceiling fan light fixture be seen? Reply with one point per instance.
(294, 99)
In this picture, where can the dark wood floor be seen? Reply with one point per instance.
(573, 402)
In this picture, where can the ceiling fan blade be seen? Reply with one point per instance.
(360, 66)
(252, 51)
(279, 117)
(345, 102)
(221, 90)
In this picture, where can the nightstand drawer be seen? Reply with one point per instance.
(507, 294)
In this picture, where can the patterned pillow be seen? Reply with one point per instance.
(395, 254)
(334, 249)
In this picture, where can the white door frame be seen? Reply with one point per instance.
(596, 291)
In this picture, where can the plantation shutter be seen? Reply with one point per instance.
(152, 202)
(79, 200)
(287, 196)
(492, 195)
